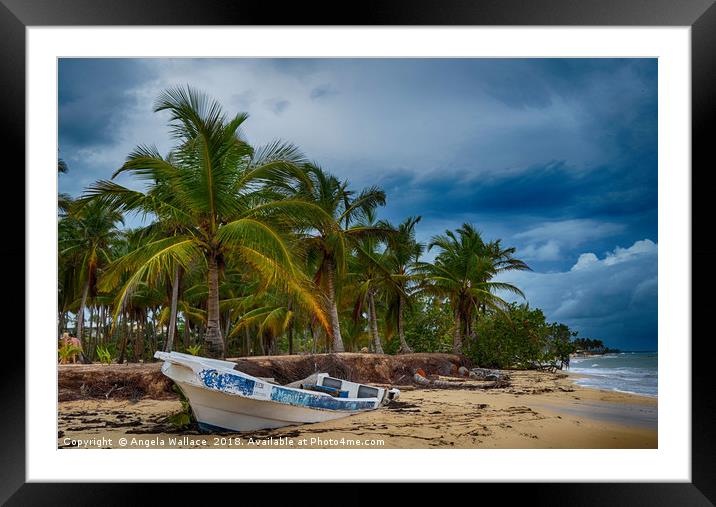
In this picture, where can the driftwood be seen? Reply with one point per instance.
(486, 374)
(446, 384)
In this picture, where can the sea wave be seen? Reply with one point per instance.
(629, 372)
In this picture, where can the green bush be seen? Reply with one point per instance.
(66, 351)
(519, 338)
(428, 326)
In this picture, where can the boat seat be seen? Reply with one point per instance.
(325, 389)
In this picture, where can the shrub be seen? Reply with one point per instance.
(67, 351)
(104, 354)
(519, 338)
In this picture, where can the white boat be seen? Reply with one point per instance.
(223, 398)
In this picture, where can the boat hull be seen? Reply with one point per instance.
(223, 399)
(215, 412)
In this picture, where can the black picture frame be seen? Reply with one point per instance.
(700, 15)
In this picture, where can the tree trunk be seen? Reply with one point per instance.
(60, 323)
(373, 318)
(213, 341)
(90, 338)
(141, 334)
(106, 320)
(333, 309)
(290, 332)
(101, 338)
(227, 329)
(81, 311)
(404, 347)
(457, 337)
(313, 338)
(125, 337)
(136, 337)
(290, 338)
(155, 343)
(169, 345)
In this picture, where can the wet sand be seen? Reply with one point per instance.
(538, 410)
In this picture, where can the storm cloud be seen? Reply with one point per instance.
(612, 296)
(557, 157)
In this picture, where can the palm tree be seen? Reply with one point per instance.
(227, 201)
(401, 256)
(269, 314)
(86, 234)
(462, 273)
(63, 200)
(332, 241)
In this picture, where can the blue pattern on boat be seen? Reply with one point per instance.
(304, 399)
(227, 382)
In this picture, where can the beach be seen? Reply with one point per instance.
(537, 410)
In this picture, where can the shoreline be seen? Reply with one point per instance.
(538, 410)
(576, 375)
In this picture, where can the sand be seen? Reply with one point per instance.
(538, 410)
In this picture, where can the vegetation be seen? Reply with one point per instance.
(592, 346)
(255, 250)
(462, 273)
(67, 352)
(104, 355)
(184, 418)
(520, 338)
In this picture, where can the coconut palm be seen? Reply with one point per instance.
(269, 314)
(463, 272)
(371, 274)
(85, 236)
(227, 202)
(365, 276)
(401, 256)
(63, 200)
(330, 242)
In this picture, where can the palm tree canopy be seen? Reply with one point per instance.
(221, 198)
(465, 266)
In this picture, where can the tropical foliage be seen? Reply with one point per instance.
(249, 249)
(520, 337)
(463, 274)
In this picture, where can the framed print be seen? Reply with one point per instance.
(423, 244)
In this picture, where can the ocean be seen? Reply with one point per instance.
(628, 372)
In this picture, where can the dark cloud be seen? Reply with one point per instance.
(95, 96)
(551, 190)
(612, 298)
(557, 157)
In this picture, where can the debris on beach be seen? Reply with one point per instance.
(458, 383)
(486, 374)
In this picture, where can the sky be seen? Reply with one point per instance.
(557, 157)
